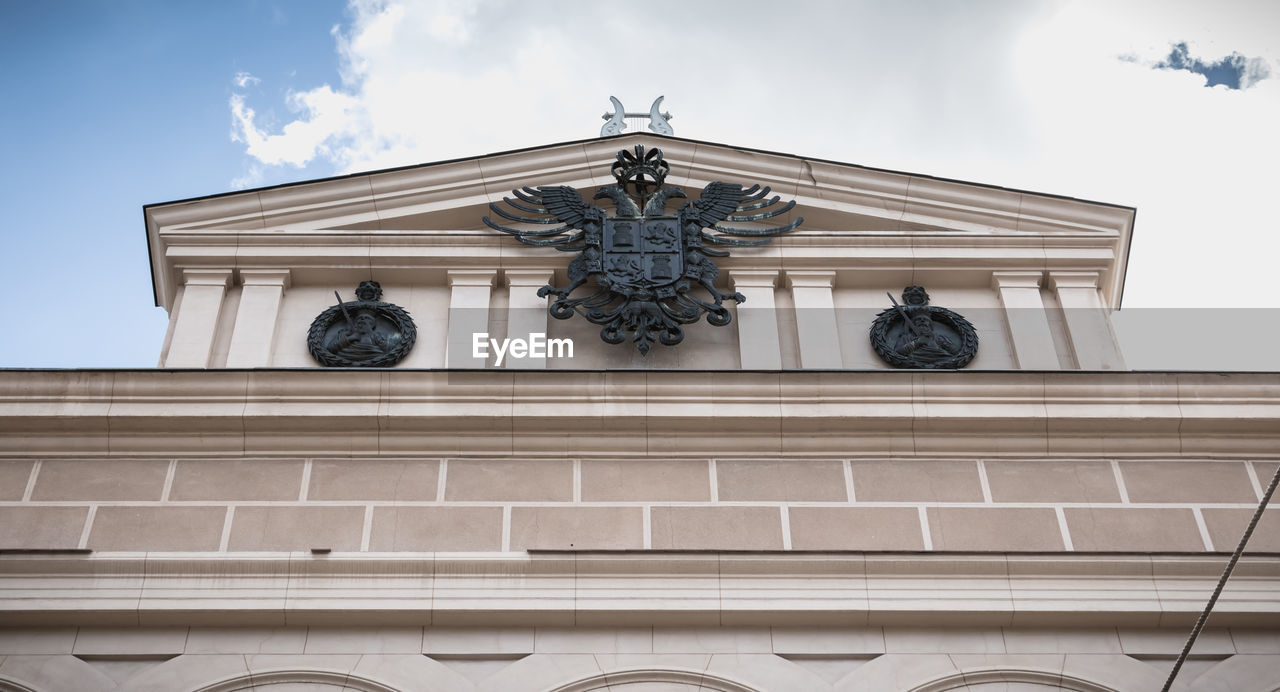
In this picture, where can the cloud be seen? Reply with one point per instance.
(327, 119)
(1234, 71)
(251, 178)
(244, 79)
(1059, 97)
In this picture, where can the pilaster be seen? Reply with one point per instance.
(468, 315)
(196, 323)
(1088, 328)
(256, 318)
(526, 311)
(1028, 323)
(757, 319)
(816, 318)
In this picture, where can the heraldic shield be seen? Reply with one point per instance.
(642, 255)
(652, 271)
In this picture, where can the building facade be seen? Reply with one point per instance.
(767, 505)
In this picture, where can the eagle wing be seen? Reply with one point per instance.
(729, 202)
(546, 206)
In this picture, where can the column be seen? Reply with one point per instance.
(197, 319)
(260, 295)
(468, 315)
(1028, 323)
(526, 312)
(757, 319)
(1088, 328)
(816, 318)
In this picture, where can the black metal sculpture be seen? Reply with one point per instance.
(646, 264)
(919, 335)
(366, 333)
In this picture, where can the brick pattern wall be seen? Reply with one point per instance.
(388, 505)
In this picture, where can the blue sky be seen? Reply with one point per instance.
(113, 105)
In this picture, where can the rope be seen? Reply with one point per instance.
(1222, 582)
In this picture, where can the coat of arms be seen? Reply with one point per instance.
(651, 271)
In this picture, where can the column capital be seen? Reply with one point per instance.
(206, 277)
(528, 277)
(811, 279)
(753, 278)
(472, 277)
(1016, 279)
(1061, 280)
(265, 277)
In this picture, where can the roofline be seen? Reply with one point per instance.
(155, 289)
(625, 136)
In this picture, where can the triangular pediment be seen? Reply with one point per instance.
(841, 203)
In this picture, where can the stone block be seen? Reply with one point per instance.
(576, 528)
(912, 481)
(157, 528)
(364, 640)
(41, 527)
(237, 479)
(510, 481)
(40, 640)
(373, 479)
(13, 479)
(785, 481)
(593, 640)
(100, 479)
(1187, 481)
(1052, 481)
(1226, 526)
(1133, 529)
(130, 641)
(855, 528)
(641, 480)
(296, 528)
(996, 528)
(242, 640)
(1264, 470)
(716, 528)
(422, 529)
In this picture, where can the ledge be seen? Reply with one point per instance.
(317, 412)
(634, 589)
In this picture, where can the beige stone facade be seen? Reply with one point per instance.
(767, 506)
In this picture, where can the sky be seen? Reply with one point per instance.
(1169, 107)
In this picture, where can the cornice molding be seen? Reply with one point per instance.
(450, 197)
(317, 412)
(595, 589)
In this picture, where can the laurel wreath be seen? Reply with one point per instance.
(393, 313)
(962, 327)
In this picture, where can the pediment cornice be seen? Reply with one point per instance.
(436, 204)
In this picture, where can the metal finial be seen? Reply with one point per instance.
(616, 120)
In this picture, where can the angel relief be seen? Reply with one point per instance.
(650, 271)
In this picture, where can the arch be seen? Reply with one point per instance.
(1051, 680)
(695, 680)
(8, 684)
(255, 680)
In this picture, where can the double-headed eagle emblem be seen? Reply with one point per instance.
(647, 266)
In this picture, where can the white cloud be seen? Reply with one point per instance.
(1028, 96)
(244, 79)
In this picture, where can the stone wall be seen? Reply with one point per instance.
(467, 504)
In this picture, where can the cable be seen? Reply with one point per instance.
(1222, 582)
